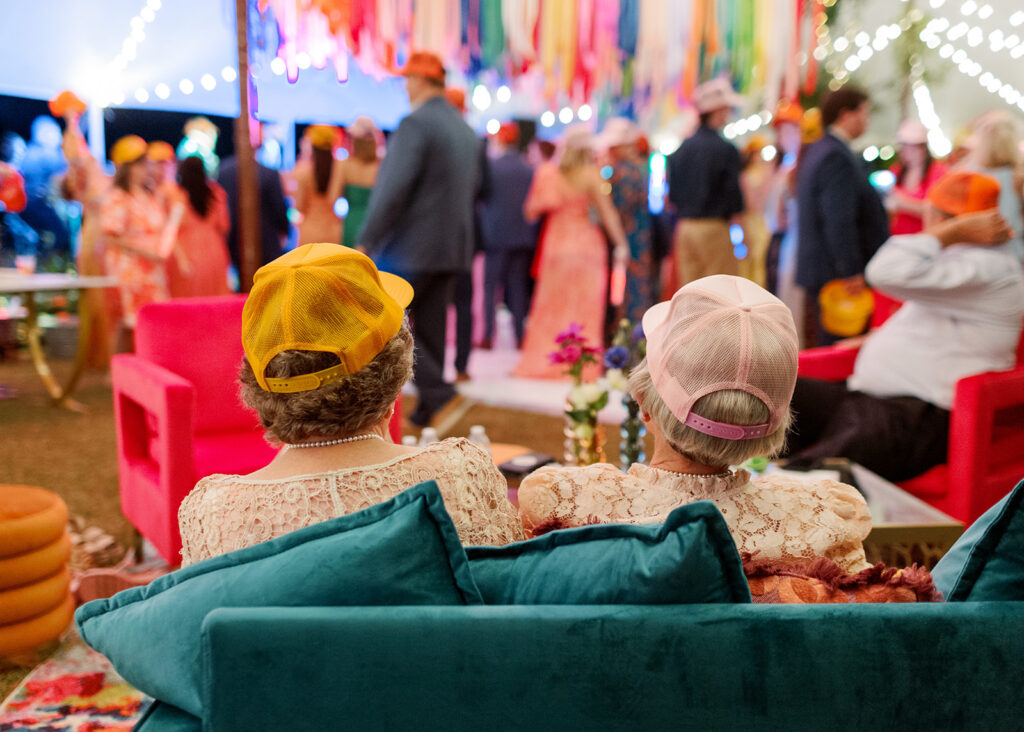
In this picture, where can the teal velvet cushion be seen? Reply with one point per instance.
(691, 558)
(161, 717)
(987, 562)
(401, 552)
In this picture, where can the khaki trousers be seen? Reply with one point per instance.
(703, 248)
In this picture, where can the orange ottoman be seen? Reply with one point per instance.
(30, 518)
(35, 601)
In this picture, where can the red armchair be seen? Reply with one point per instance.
(986, 434)
(178, 414)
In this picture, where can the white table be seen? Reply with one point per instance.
(13, 282)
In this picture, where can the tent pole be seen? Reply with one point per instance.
(97, 141)
(249, 249)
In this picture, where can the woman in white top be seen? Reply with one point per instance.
(327, 353)
(714, 389)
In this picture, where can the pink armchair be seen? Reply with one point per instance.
(986, 434)
(178, 414)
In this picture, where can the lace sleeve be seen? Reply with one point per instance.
(476, 495)
(803, 519)
(559, 497)
(196, 541)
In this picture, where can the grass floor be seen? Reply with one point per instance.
(75, 455)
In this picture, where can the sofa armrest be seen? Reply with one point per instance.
(144, 394)
(829, 363)
(614, 667)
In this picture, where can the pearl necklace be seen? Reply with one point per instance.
(327, 443)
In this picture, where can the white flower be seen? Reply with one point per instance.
(593, 392)
(617, 380)
(583, 431)
(577, 397)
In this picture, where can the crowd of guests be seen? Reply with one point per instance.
(719, 382)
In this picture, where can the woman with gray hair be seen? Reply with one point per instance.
(327, 352)
(995, 151)
(714, 391)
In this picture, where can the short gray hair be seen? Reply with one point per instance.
(731, 406)
(340, 408)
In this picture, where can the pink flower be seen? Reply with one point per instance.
(573, 333)
(572, 354)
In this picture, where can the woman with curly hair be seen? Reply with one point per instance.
(327, 352)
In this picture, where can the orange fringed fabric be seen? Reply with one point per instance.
(823, 581)
(558, 33)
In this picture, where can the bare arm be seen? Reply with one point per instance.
(609, 217)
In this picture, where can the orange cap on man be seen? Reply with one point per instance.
(426, 64)
(963, 192)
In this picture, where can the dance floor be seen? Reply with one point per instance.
(492, 382)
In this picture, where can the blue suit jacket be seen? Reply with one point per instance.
(273, 209)
(420, 216)
(842, 221)
(501, 212)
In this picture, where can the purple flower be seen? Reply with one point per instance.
(638, 332)
(616, 357)
(573, 333)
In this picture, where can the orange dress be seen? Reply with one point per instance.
(572, 274)
(138, 220)
(202, 244)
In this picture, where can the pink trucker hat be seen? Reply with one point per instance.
(720, 333)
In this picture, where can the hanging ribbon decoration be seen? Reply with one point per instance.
(817, 13)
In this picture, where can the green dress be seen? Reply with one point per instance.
(358, 198)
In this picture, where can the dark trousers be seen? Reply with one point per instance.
(510, 270)
(463, 319)
(897, 437)
(428, 313)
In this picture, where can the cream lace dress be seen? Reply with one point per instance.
(771, 517)
(228, 512)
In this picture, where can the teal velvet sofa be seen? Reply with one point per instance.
(955, 666)
(381, 620)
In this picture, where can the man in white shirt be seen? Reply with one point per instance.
(963, 310)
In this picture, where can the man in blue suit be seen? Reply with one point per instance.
(419, 224)
(509, 239)
(841, 218)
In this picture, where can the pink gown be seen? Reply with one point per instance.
(203, 242)
(572, 274)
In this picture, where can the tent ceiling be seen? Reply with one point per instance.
(50, 45)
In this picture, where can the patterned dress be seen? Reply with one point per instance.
(772, 517)
(629, 196)
(228, 512)
(138, 220)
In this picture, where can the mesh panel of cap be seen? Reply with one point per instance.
(319, 297)
(721, 333)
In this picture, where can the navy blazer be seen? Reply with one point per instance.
(273, 210)
(842, 221)
(501, 212)
(420, 216)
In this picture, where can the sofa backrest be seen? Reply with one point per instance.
(200, 340)
(577, 667)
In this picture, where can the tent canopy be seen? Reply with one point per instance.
(51, 45)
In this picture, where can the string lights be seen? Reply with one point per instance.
(948, 37)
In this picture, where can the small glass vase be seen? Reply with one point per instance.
(631, 448)
(586, 449)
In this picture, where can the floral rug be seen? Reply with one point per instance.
(76, 690)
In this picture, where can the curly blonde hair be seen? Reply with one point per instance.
(339, 409)
(731, 406)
